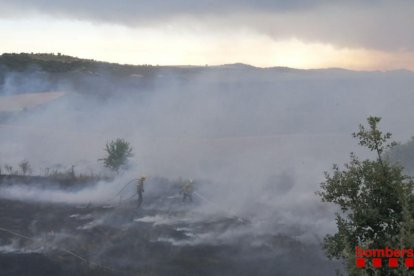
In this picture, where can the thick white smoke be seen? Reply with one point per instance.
(262, 138)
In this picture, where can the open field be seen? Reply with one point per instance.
(27, 101)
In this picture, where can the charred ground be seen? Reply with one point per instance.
(165, 237)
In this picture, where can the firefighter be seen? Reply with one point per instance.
(140, 189)
(187, 190)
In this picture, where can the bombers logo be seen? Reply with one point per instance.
(377, 256)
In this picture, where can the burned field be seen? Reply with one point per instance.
(163, 237)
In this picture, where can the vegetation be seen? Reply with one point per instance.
(117, 154)
(8, 168)
(58, 63)
(375, 200)
(25, 167)
(47, 62)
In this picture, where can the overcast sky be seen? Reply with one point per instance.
(369, 34)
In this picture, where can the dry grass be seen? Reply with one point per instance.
(27, 101)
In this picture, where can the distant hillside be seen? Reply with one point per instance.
(33, 73)
(59, 63)
(22, 73)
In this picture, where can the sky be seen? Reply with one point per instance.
(360, 35)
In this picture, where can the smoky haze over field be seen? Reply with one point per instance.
(259, 139)
(243, 129)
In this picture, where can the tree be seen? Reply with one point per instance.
(25, 167)
(375, 200)
(8, 168)
(118, 152)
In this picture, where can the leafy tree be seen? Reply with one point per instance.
(118, 152)
(375, 203)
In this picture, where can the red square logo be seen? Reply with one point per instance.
(409, 263)
(393, 262)
(376, 262)
(360, 262)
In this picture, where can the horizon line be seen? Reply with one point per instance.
(209, 65)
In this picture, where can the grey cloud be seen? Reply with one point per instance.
(383, 25)
(125, 11)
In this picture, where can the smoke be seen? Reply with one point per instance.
(101, 193)
(256, 141)
(14, 247)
